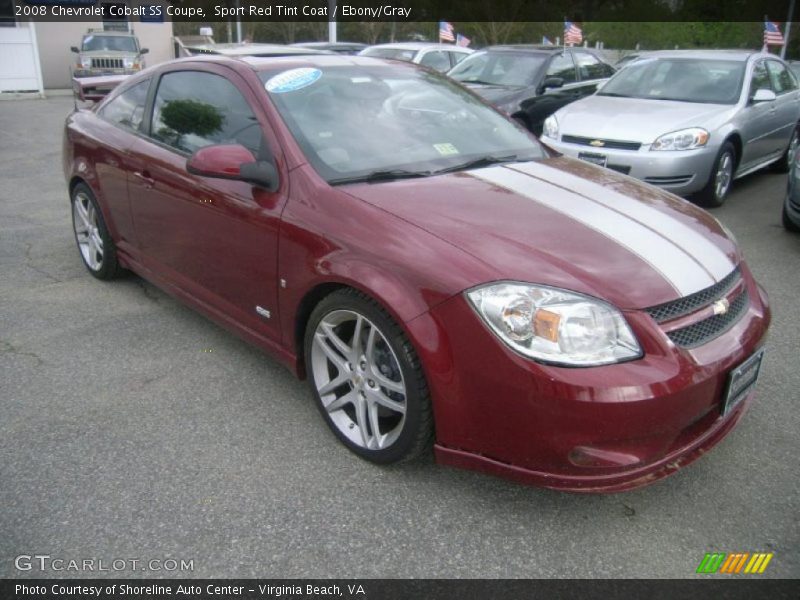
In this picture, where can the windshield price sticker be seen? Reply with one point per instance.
(292, 80)
(446, 149)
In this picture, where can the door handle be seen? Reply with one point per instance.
(148, 181)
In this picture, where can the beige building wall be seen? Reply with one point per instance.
(55, 39)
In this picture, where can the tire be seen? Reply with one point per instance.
(784, 164)
(719, 183)
(380, 388)
(96, 248)
(788, 224)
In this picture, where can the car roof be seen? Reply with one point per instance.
(733, 54)
(420, 46)
(329, 45)
(250, 49)
(536, 48)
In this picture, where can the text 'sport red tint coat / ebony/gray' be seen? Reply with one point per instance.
(484, 275)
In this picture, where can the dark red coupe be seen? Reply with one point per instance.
(438, 276)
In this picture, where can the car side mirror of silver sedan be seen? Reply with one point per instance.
(763, 95)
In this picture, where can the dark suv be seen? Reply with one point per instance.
(532, 82)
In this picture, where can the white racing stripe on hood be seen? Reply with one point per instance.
(675, 265)
(698, 246)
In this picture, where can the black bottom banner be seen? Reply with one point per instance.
(390, 589)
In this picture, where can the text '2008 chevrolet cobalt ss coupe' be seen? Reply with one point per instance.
(439, 277)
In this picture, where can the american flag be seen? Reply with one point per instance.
(462, 40)
(446, 33)
(772, 34)
(572, 33)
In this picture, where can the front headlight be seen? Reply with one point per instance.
(555, 326)
(86, 62)
(685, 139)
(550, 128)
(128, 63)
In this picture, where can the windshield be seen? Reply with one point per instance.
(118, 43)
(391, 53)
(385, 122)
(498, 68)
(682, 79)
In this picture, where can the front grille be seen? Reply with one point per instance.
(619, 169)
(688, 304)
(607, 144)
(107, 63)
(706, 330)
(675, 180)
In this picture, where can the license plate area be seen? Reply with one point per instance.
(740, 381)
(595, 159)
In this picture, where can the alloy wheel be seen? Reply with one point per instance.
(358, 379)
(722, 179)
(87, 231)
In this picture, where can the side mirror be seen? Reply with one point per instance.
(144, 50)
(763, 95)
(552, 83)
(232, 161)
(75, 49)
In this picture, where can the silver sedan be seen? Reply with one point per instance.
(687, 121)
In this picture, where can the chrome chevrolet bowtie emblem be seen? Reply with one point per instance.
(597, 143)
(720, 307)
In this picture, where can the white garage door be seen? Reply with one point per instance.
(19, 59)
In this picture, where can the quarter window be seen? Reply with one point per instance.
(562, 66)
(782, 80)
(127, 109)
(193, 109)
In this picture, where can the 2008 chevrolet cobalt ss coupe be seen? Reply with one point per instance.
(437, 275)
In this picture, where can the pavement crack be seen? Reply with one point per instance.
(7, 347)
(29, 264)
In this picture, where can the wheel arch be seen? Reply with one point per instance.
(398, 298)
(735, 139)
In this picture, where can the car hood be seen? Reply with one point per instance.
(568, 224)
(632, 119)
(496, 94)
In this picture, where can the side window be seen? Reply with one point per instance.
(127, 109)
(457, 57)
(563, 67)
(782, 80)
(759, 79)
(193, 109)
(590, 67)
(436, 60)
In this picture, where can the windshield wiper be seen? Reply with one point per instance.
(377, 176)
(480, 82)
(614, 95)
(483, 161)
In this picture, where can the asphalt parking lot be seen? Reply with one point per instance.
(133, 428)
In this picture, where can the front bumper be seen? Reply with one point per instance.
(594, 429)
(680, 172)
(100, 72)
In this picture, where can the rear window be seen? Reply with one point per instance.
(391, 53)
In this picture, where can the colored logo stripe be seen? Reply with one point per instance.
(721, 562)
